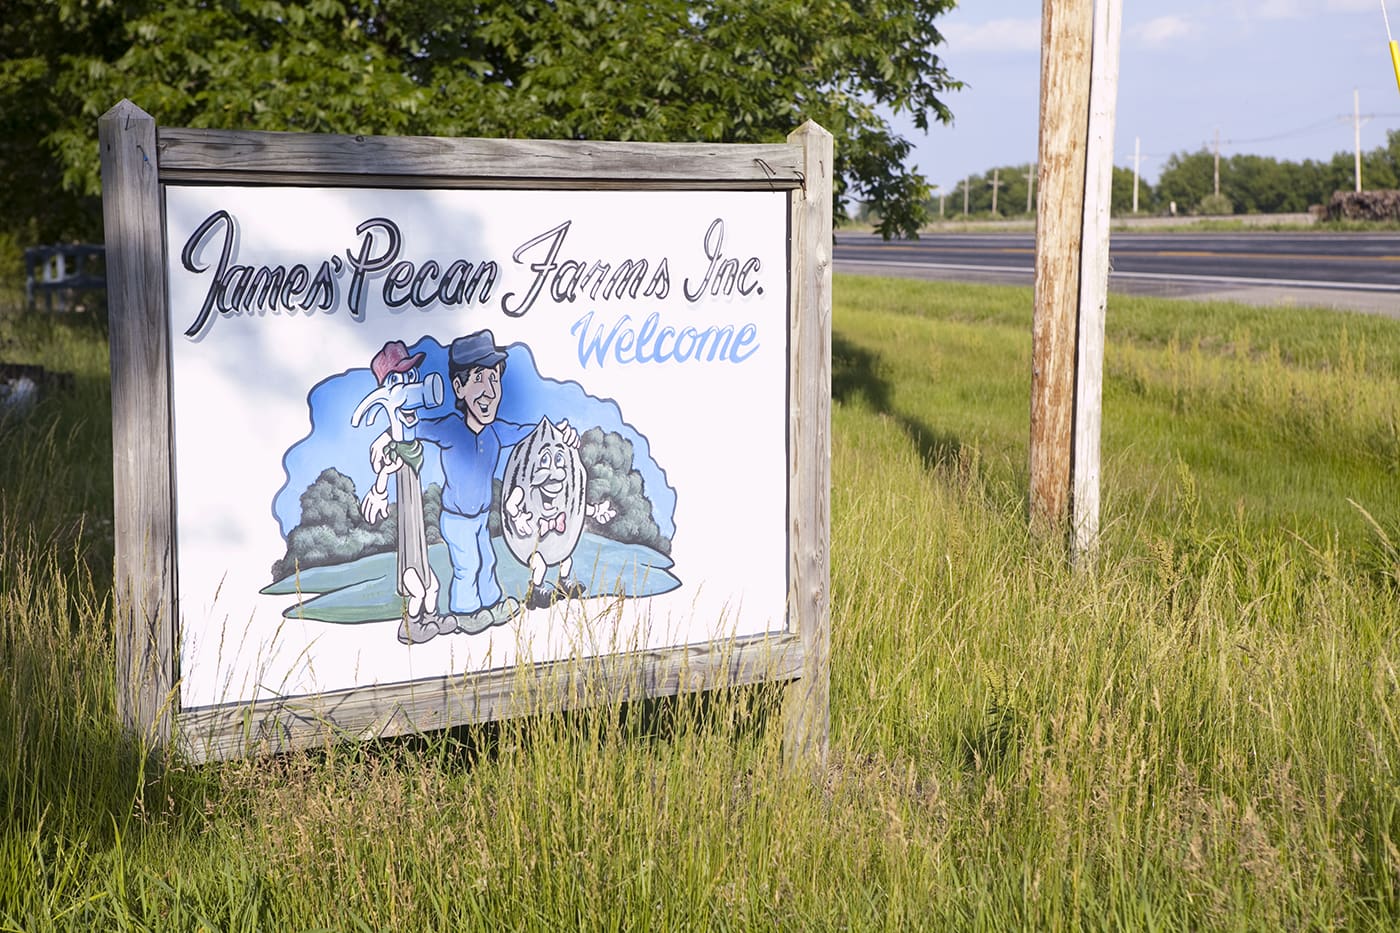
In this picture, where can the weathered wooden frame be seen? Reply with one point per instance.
(139, 158)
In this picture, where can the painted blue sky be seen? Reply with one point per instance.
(525, 396)
(1274, 76)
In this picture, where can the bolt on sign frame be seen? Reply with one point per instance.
(260, 283)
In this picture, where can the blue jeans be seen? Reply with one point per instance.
(474, 583)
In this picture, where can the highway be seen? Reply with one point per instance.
(1353, 271)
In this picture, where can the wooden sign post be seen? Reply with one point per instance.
(1079, 67)
(413, 432)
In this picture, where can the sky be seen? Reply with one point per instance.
(1275, 77)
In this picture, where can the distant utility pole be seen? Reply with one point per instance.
(995, 184)
(1217, 161)
(967, 188)
(942, 200)
(1030, 186)
(1137, 164)
(1356, 126)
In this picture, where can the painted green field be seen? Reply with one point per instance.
(1201, 733)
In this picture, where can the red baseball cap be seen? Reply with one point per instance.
(393, 358)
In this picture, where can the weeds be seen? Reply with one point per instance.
(1201, 733)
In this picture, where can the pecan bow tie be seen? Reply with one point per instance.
(555, 524)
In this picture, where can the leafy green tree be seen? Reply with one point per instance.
(37, 38)
(1390, 153)
(1377, 170)
(1014, 181)
(718, 70)
(1186, 179)
(1123, 193)
(1015, 184)
(1010, 183)
(1264, 185)
(1256, 185)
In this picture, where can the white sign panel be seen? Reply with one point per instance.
(425, 433)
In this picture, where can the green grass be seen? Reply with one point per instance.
(1274, 417)
(1201, 733)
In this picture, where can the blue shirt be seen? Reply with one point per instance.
(468, 459)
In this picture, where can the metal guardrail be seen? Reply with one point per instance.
(60, 273)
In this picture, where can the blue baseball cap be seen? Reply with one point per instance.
(478, 349)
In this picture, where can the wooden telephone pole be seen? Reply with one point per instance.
(1217, 161)
(1079, 82)
(1137, 169)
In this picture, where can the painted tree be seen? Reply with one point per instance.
(332, 531)
(609, 460)
(710, 70)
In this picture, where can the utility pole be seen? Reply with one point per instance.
(1030, 186)
(1356, 126)
(1078, 99)
(967, 188)
(1093, 283)
(1217, 161)
(942, 200)
(1066, 48)
(996, 186)
(1137, 164)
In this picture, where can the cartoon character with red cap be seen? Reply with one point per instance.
(398, 452)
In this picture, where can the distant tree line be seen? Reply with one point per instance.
(1249, 184)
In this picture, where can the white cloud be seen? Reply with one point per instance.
(1298, 9)
(1277, 9)
(994, 35)
(1163, 29)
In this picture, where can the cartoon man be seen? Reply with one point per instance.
(471, 446)
(397, 452)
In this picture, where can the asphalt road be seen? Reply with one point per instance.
(1353, 271)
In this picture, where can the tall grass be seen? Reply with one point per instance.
(1199, 733)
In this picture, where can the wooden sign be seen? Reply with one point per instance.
(410, 433)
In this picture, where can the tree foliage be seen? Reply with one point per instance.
(1262, 185)
(1249, 184)
(1012, 183)
(37, 40)
(1123, 193)
(708, 70)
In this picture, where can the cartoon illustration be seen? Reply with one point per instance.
(472, 441)
(543, 509)
(398, 452)
(489, 512)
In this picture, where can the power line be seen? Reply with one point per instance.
(1287, 134)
